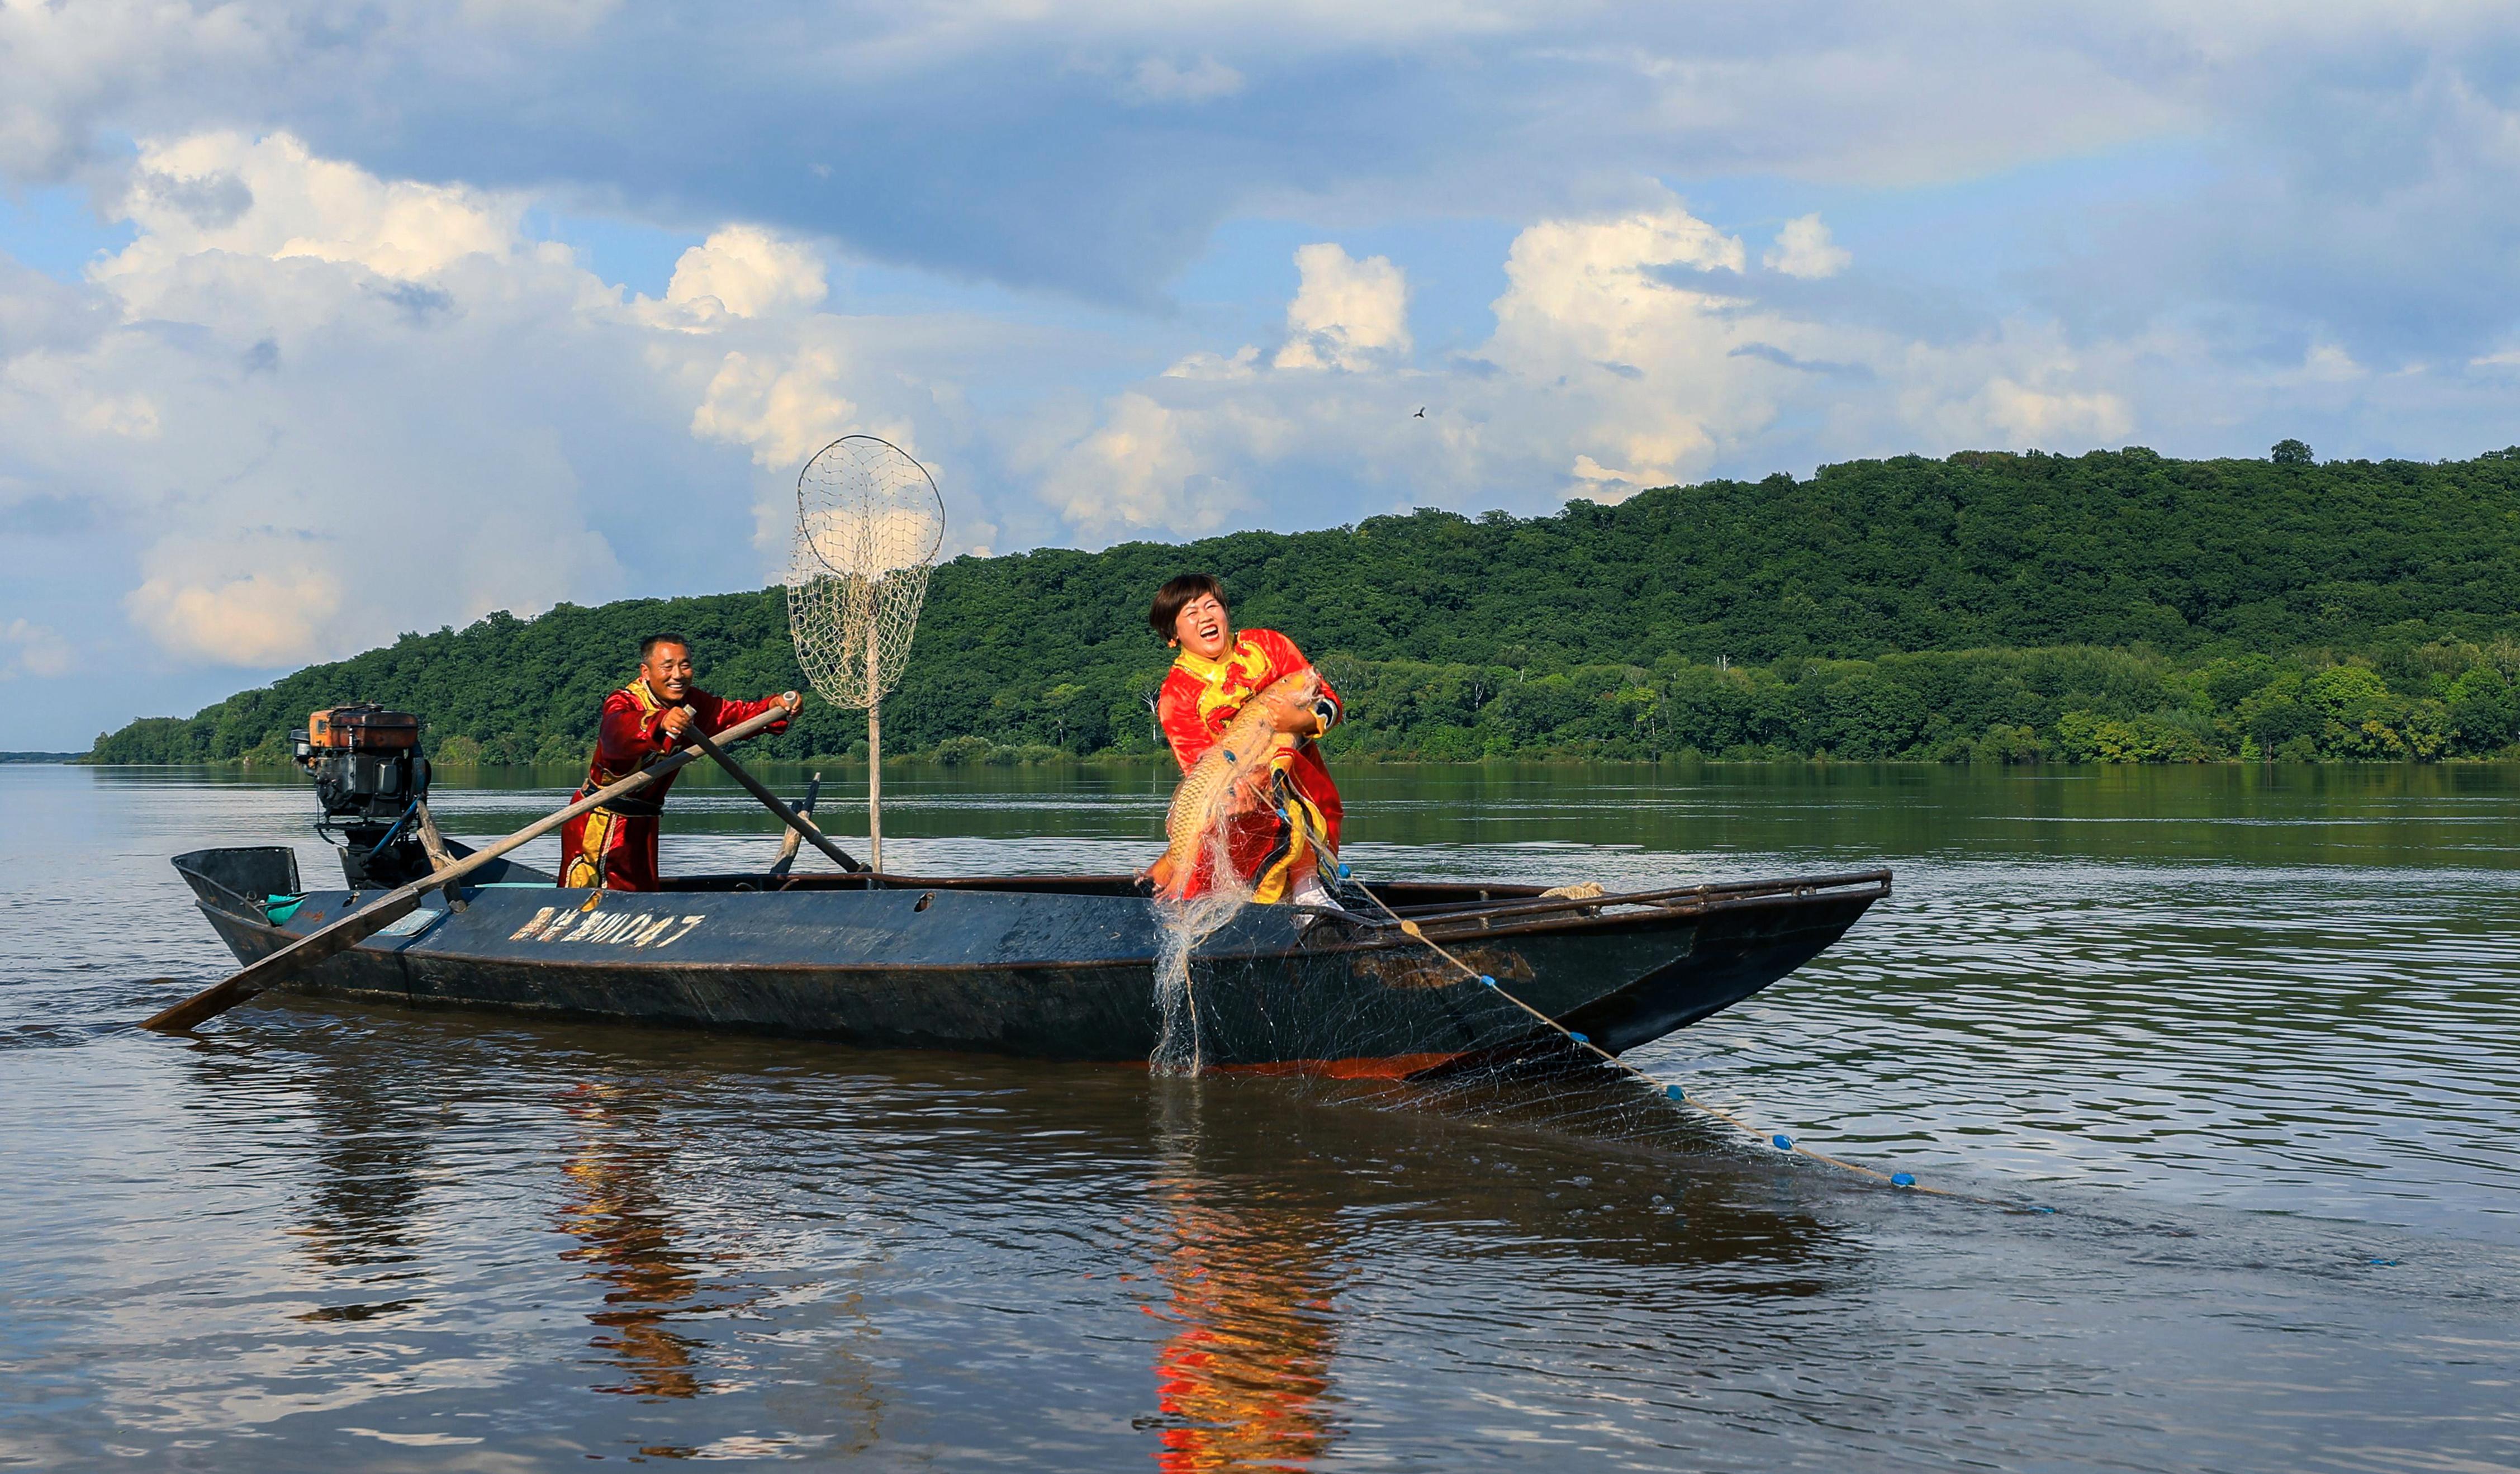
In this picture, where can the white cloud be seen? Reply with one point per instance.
(2015, 415)
(1346, 313)
(1628, 353)
(28, 648)
(1147, 467)
(2329, 363)
(744, 271)
(1803, 249)
(270, 198)
(327, 406)
(1159, 79)
(263, 617)
(80, 402)
(783, 412)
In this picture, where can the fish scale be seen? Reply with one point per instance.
(1204, 796)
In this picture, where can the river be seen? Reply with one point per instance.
(2249, 1033)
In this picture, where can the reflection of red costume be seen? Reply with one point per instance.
(1273, 844)
(1243, 1378)
(614, 847)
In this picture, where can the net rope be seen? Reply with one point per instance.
(1415, 1022)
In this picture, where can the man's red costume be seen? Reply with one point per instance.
(614, 847)
(1276, 843)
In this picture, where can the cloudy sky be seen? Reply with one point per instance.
(323, 321)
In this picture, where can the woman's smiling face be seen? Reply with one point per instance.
(1203, 629)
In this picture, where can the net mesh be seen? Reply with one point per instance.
(1368, 1015)
(869, 527)
(1199, 888)
(1381, 1010)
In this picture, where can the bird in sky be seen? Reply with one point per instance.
(1421, 413)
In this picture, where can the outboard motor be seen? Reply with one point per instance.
(369, 779)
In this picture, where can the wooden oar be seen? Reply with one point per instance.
(394, 905)
(796, 823)
(795, 840)
(431, 842)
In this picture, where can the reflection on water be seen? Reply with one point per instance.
(364, 1192)
(1243, 1380)
(2250, 1032)
(616, 1209)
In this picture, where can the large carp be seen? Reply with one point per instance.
(1205, 797)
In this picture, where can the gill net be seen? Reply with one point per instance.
(870, 523)
(1368, 1007)
(1430, 1010)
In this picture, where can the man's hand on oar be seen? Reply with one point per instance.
(350, 932)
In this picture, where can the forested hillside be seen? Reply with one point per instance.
(2116, 606)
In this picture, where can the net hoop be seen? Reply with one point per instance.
(870, 523)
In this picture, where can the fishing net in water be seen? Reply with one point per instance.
(1199, 888)
(1411, 1010)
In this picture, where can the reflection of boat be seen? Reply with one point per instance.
(1053, 966)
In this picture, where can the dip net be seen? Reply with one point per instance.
(870, 523)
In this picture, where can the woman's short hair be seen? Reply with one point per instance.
(1176, 593)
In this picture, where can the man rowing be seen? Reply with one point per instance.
(614, 847)
(1284, 831)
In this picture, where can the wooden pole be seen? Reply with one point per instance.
(394, 905)
(431, 842)
(795, 840)
(874, 751)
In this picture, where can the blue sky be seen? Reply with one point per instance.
(320, 324)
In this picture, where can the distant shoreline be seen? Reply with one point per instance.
(1345, 761)
(1985, 608)
(42, 757)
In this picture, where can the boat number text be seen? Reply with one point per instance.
(551, 924)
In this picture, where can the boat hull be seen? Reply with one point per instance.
(1053, 969)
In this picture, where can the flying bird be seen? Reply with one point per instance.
(1421, 413)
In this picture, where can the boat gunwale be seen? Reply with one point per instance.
(1362, 933)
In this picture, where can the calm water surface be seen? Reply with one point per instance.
(2251, 1034)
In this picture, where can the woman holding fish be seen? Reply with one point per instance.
(1241, 711)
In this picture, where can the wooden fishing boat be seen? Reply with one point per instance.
(1049, 966)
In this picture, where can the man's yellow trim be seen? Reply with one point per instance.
(586, 866)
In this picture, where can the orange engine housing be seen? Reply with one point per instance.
(363, 727)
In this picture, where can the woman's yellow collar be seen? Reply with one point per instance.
(1210, 671)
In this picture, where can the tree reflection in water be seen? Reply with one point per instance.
(618, 1171)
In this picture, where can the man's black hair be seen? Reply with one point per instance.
(649, 645)
(1176, 593)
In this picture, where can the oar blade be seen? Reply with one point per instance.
(268, 973)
